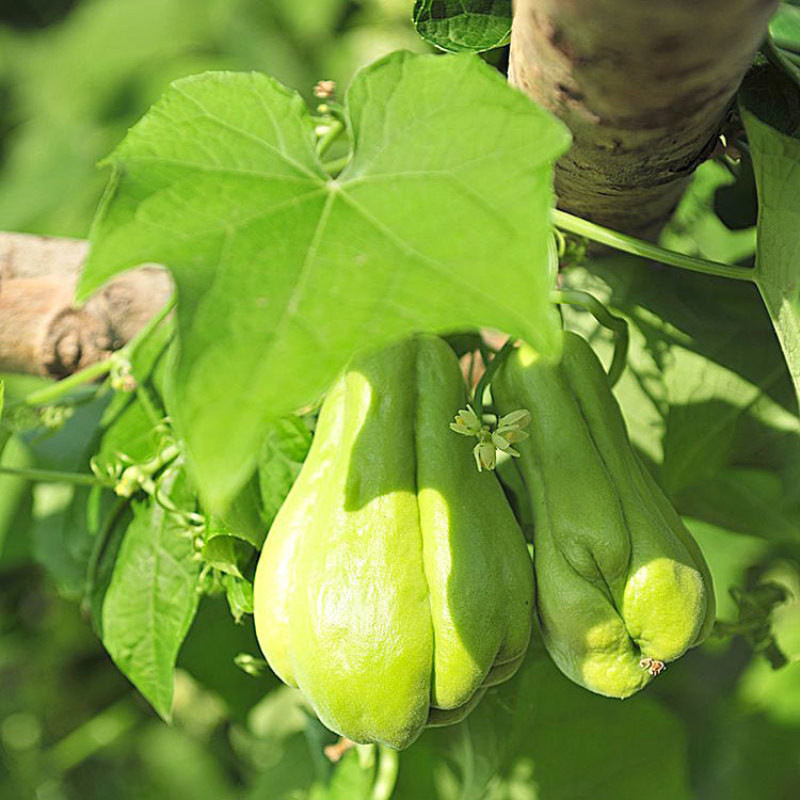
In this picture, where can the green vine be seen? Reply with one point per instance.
(638, 247)
(386, 779)
(617, 325)
(52, 476)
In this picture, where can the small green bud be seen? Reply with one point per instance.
(129, 482)
(485, 451)
(250, 664)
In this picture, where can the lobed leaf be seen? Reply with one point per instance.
(706, 395)
(283, 273)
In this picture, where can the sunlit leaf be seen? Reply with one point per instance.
(283, 273)
(770, 107)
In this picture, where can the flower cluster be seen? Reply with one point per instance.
(508, 432)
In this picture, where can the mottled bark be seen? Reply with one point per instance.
(42, 331)
(644, 87)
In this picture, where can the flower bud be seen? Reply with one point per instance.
(485, 454)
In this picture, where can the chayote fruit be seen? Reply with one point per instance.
(395, 584)
(621, 586)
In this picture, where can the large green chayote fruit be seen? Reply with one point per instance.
(395, 584)
(621, 586)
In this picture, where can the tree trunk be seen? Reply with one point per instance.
(41, 331)
(643, 86)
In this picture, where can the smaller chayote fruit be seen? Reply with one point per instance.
(622, 588)
(395, 584)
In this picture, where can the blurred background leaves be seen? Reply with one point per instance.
(705, 398)
(70, 89)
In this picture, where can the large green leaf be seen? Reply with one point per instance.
(440, 221)
(784, 29)
(770, 108)
(457, 25)
(706, 396)
(152, 597)
(543, 737)
(282, 454)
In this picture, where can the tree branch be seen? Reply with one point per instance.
(643, 86)
(42, 331)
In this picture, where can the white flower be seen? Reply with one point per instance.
(518, 419)
(466, 422)
(503, 443)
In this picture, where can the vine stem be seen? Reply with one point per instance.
(330, 136)
(386, 779)
(99, 732)
(618, 325)
(56, 391)
(52, 476)
(638, 247)
(486, 378)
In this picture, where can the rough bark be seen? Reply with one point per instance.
(643, 86)
(42, 331)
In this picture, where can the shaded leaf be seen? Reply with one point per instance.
(284, 747)
(776, 692)
(350, 780)
(283, 272)
(728, 557)
(705, 395)
(152, 597)
(745, 501)
(770, 108)
(4, 434)
(209, 652)
(231, 540)
(542, 737)
(282, 455)
(784, 29)
(457, 25)
(14, 490)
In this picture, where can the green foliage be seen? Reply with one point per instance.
(283, 452)
(457, 25)
(541, 736)
(771, 114)
(152, 595)
(706, 396)
(71, 90)
(784, 29)
(221, 181)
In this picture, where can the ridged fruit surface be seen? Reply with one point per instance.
(395, 584)
(621, 586)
